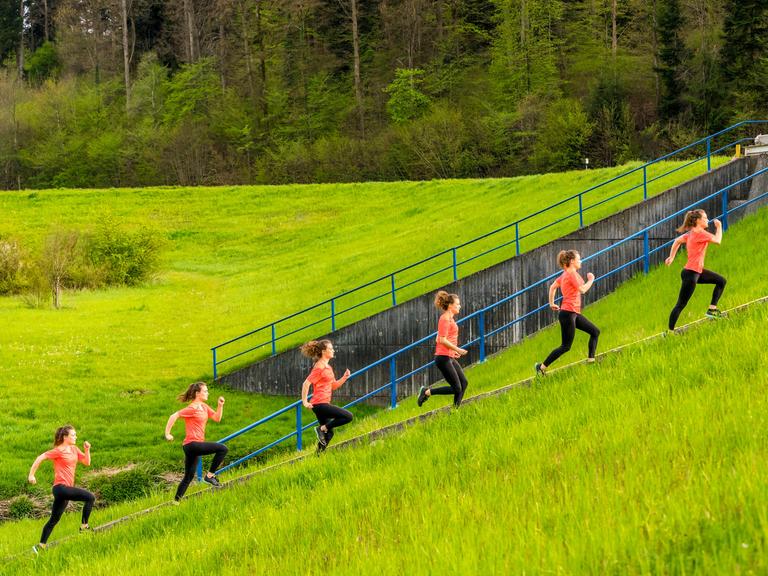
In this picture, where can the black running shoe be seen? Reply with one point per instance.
(538, 369)
(321, 437)
(714, 314)
(422, 396)
(213, 481)
(328, 437)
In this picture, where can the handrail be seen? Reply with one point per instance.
(391, 358)
(393, 289)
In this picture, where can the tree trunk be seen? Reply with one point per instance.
(46, 27)
(126, 54)
(262, 91)
(655, 47)
(614, 38)
(20, 52)
(246, 26)
(358, 86)
(189, 20)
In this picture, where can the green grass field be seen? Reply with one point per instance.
(113, 361)
(651, 461)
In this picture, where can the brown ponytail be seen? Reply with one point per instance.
(190, 393)
(314, 348)
(61, 433)
(565, 257)
(691, 217)
(443, 299)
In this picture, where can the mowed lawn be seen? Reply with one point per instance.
(651, 461)
(112, 361)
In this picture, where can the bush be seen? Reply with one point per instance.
(122, 257)
(10, 267)
(122, 486)
(21, 507)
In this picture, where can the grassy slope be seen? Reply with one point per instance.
(237, 257)
(648, 462)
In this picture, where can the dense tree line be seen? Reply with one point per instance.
(136, 92)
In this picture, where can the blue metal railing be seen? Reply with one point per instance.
(483, 335)
(267, 335)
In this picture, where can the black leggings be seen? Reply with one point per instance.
(331, 417)
(192, 453)
(61, 496)
(454, 375)
(569, 323)
(690, 279)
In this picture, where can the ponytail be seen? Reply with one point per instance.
(691, 217)
(443, 299)
(314, 348)
(61, 433)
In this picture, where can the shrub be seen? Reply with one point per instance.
(10, 267)
(122, 486)
(21, 507)
(123, 257)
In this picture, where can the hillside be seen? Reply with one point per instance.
(649, 461)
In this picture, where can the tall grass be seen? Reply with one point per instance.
(651, 461)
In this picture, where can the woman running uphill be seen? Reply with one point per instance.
(572, 286)
(65, 456)
(696, 240)
(447, 351)
(323, 382)
(195, 418)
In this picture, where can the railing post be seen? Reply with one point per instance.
(645, 182)
(646, 253)
(481, 329)
(517, 239)
(581, 213)
(394, 295)
(725, 209)
(215, 373)
(199, 469)
(393, 389)
(455, 271)
(333, 315)
(298, 426)
(274, 341)
(709, 157)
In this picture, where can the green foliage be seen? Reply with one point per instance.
(406, 102)
(130, 484)
(21, 507)
(562, 139)
(191, 93)
(10, 267)
(43, 63)
(123, 257)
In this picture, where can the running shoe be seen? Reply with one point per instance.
(86, 528)
(328, 437)
(213, 481)
(422, 396)
(538, 369)
(321, 437)
(37, 548)
(715, 314)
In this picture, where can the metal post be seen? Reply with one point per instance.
(709, 157)
(298, 426)
(645, 182)
(481, 329)
(646, 253)
(517, 239)
(394, 296)
(215, 373)
(725, 209)
(581, 214)
(274, 342)
(333, 315)
(455, 271)
(393, 389)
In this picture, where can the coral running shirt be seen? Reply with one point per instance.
(569, 286)
(65, 459)
(195, 419)
(447, 328)
(323, 382)
(696, 244)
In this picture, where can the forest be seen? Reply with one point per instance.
(107, 93)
